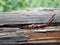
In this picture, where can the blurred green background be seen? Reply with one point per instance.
(9, 5)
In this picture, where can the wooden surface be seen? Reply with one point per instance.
(41, 36)
(44, 36)
(34, 44)
(55, 35)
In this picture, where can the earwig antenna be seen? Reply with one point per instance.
(52, 18)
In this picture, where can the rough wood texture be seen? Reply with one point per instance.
(34, 44)
(47, 35)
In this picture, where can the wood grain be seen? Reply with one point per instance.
(44, 36)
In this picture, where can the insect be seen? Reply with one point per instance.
(34, 26)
